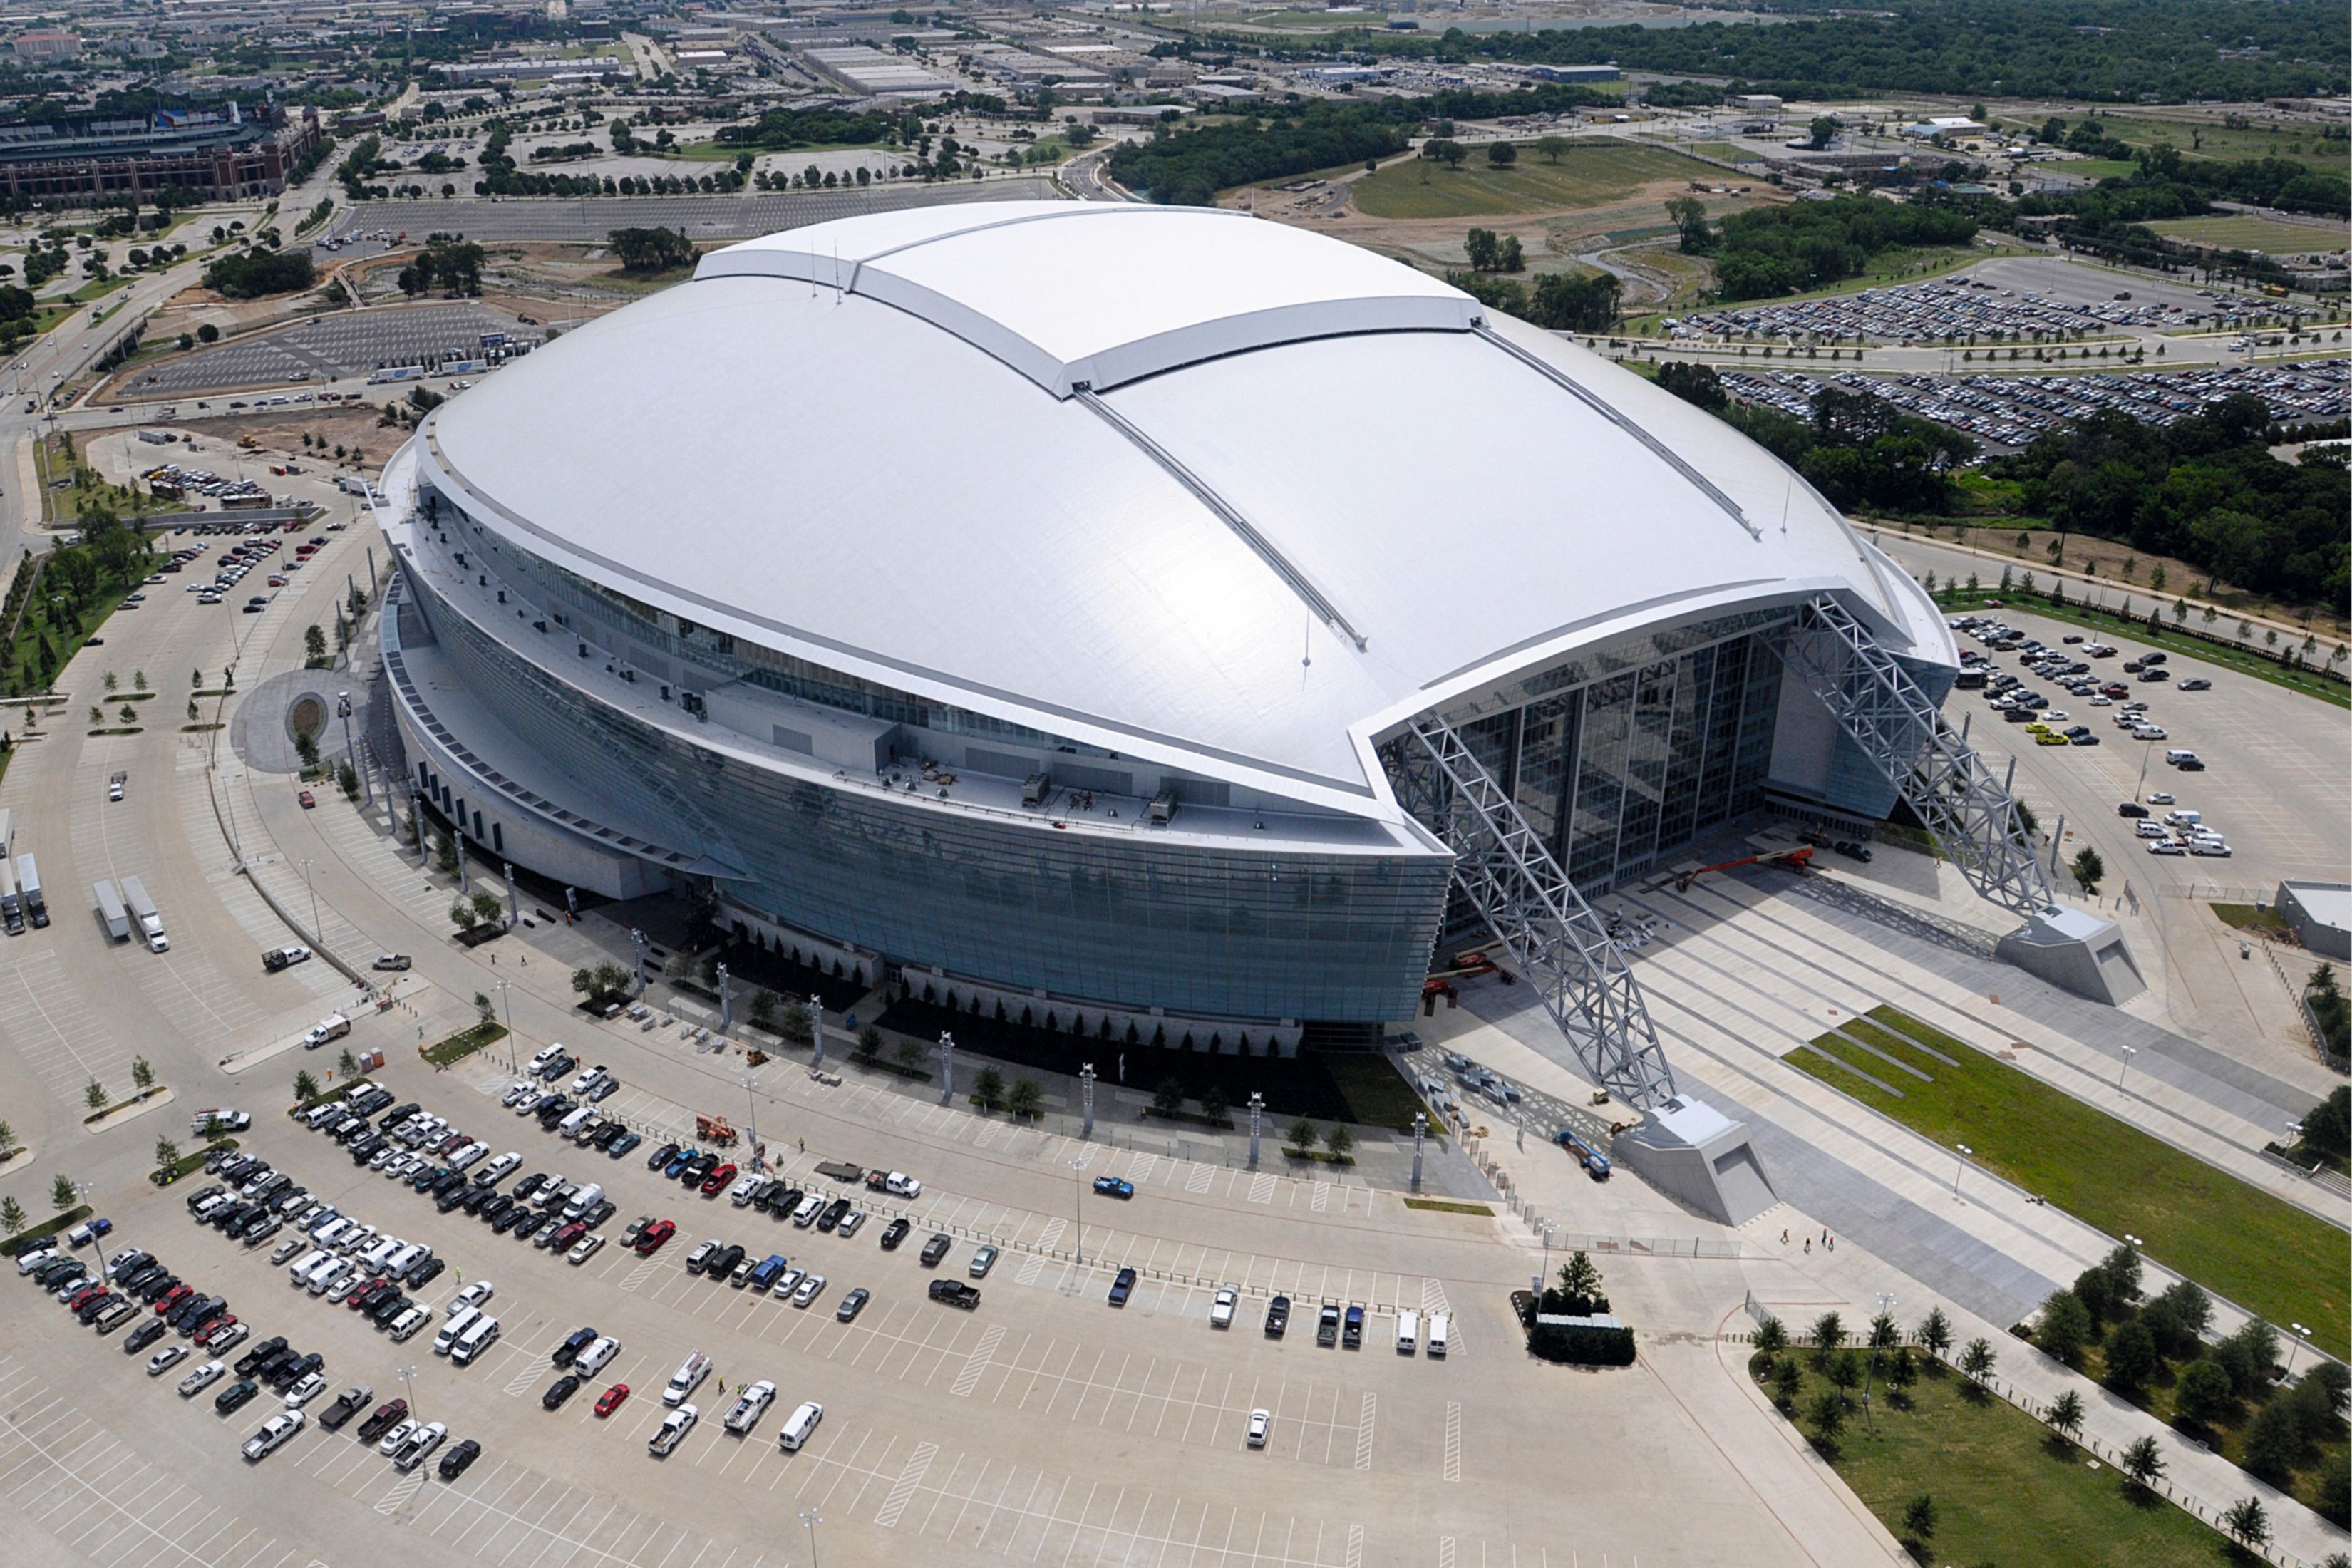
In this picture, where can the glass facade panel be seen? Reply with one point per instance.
(1628, 752)
(1136, 922)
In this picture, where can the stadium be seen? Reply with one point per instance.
(1170, 622)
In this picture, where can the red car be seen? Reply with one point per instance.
(716, 1183)
(610, 1400)
(649, 1243)
(172, 1298)
(308, 800)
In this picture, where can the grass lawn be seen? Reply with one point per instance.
(2005, 1493)
(1729, 152)
(2250, 917)
(2205, 138)
(1377, 1094)
(464, 1044)
(2238, 232)
(2230, 1237)
(2245, 661)
(2094, 168)
(1587, 175)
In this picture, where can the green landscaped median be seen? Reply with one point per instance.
(2267, 1255)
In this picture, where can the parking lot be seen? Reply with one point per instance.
(2026, 300)
(589, 220)
(2012, 410)
(331, 348)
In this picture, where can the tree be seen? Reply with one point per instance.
(2274, 1443)
(1300, 1135)
(167, 1154)
(1786, 1383)
(207, 333)
(1919, 1518)
(2327, 1126)
(2334, 1489)
(305, 1087)
(1883, 1335)
(1339, 1140)
(2143, 1463)
(2066, 1415)
(1829, 1332)
(909, 1053)
(652, 250)
(2246, 1522)
(1577, 1277)
(1501, 154)
(61, 1192)
(488, 908)
(94, 1095)
(2131, 1356)
(2201, 1393)
(142, 1073)
(1481, 248)
(1688, 215)
(461, 914)
(8, 1138)
(2177, 1318)
(2065, 1327)
(2089, 869)
(1845, 1371)
(1771, 1339)
(1213, 1102)
(1552, 147)
(1168, 1098)
(869, 1043)
(1023, 1098)
(1936, 1331)
(1445, 150)
(1977, 1360)
(761, 1013)
(12, 1216)
(988, 1088)
(2250, 1356)
(1829, 1413)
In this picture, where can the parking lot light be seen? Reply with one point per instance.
(810, 1520)
(1963, 1164)
(1078, 1200)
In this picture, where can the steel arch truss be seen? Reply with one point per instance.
(1939, 776)
(1502, 867)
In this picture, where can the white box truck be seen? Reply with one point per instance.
(29, 888)
(110, 911)
(143, 915)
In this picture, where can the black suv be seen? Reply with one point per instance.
(935, 1249)
(892, 1233)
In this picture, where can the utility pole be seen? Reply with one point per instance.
(1258, 1117)
(1420, 1131)
(816, 1025)
(947, 1070)
(751, 1121)
(726, 1001)
(1087, 1099)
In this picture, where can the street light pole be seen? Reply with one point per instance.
(2302, 1336)
(2130, 1052)
(810, 1520)
(506, 1000)
(1078, 1204)
(1086, 1098)
(947, 1069)
(751, 1120)
(408, 1379)
(1257, 1115)
(1420, 1131)
(1962, 1165)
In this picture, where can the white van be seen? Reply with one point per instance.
(298, 1275)
(409, 1256)
(406, 1325)
(2178, 755)
(801, 1425)
(330, 1274)
(334, 1230)
(474, 1341)
(689, 1377)
(586, 1199)
(378, 1253)
(1408, 1332)
(1439, 1324)
(575, 1123)
(2184, 817)
(453, 1331)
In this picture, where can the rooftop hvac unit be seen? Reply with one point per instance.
(1163, 807)
(1034, 788)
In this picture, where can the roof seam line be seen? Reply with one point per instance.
(1225, 511)
(1583, 394)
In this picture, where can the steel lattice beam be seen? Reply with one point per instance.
(1556, 943)
(1939, 776)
